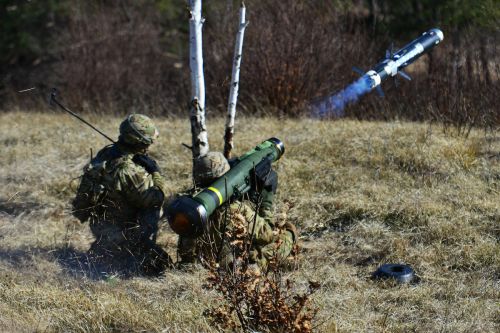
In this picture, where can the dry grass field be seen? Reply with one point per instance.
(362, 193)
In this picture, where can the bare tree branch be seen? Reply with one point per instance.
(197, 108)
(235, 77)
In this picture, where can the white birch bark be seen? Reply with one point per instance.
(235, 78)
(199, 133)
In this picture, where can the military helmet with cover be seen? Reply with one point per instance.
(138, 129)
(209, 167)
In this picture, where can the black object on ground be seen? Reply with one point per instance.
(399, 272)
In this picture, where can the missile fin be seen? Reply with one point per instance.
(380, 92)
(389, 51)
(404, 75)
(358, 70)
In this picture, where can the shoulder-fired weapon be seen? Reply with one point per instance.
(188, 215)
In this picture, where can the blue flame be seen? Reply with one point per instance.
(334, 105)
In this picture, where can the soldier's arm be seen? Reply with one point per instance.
(134, 184)
(266, 208)
(160, 182)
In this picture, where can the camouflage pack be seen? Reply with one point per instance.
(90, 191)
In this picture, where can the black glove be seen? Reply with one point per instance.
(271, 181)
(267, 178)
(147, 163)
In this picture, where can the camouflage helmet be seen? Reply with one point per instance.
(209, 167)
(138, 129)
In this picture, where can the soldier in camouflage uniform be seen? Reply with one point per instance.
(121, 194)
(228, 227)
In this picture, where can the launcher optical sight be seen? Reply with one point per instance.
(188, 215)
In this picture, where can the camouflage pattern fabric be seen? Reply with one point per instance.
(227, 228)
(230, 228)
(209, 167)
(138, 129)
(127, 214)
(129, 187)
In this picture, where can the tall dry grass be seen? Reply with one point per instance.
(363, 194)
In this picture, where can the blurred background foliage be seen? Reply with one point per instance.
(27, 28)
(130, 55)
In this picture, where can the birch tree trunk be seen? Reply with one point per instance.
(199, 133)
(235, 78)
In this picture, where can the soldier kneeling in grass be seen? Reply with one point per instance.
(245, 229)
(121, 194)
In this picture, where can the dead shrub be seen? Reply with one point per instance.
(254, 300)
(454, 85)
(127, 56)
(113, 58)
(261, 303)
(293, 52)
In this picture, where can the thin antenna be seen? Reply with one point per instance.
(53, 100)
(26, 90)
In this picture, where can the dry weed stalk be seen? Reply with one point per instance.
(252, 300)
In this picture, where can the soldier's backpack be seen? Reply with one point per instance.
(92, 191)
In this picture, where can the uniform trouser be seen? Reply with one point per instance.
(278, 251)
(130, 238)
(267, 244)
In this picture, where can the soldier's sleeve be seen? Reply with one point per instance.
(160, 182)
(133, 183)
(266, 208)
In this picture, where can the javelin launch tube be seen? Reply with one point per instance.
(188, 215)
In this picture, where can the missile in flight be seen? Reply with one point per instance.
(394, 63)
(391, 66)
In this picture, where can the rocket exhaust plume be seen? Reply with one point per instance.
(391, 66)
(334, 105)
